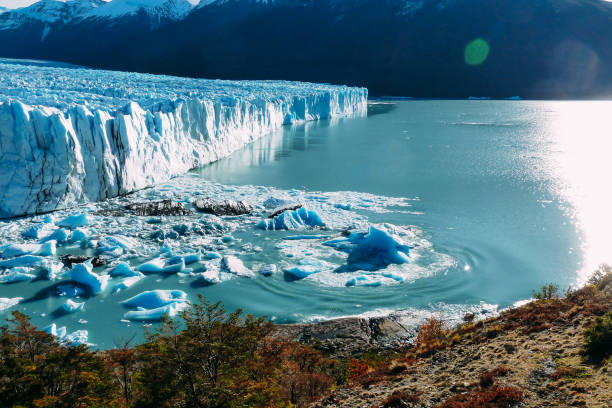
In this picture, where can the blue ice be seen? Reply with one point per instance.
(292, 219)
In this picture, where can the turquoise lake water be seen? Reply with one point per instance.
(496, 197)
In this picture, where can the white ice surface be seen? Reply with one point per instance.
(71, 135)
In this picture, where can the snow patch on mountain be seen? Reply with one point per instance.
(72, 135)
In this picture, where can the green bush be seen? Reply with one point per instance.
(548, 292)
(598, 339)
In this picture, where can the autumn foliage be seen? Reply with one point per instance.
(208, 358)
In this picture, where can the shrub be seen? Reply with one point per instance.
(487, 378)
(598, 339)
(547, 292)
(432, 336)
(494, 397)
(400, 400)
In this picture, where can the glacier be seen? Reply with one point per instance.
(70, 135)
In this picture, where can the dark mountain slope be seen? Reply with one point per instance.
(537, 48)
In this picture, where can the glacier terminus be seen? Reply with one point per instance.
(70, 135)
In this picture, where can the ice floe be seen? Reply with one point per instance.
(70, 306)
(6, 303)
(83, 273)
(155, 298)
(235, 266)
(292, 219)
(373, 250)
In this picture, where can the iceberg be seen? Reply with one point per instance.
(372, 250)
(59, 235)
(77, 338)
(83, 273)
(234, 265)
(37, 231)
(100, 134)
(155, 298)
(268, 270)
(17, 275)
(53, 330)
(6, 303)
(71, 306)
(123, 269)
(363, 281)
(24, 261)
(291, 220)
(115, 245)
(126, 283)
(160, 265)
(73, 221)
(156, 314)
(15, 250)
(307, 267)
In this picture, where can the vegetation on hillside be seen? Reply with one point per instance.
(213, 358)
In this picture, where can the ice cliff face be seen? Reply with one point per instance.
(70, 136)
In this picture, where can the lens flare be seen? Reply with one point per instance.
(476, 52)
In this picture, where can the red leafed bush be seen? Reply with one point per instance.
(494, 397)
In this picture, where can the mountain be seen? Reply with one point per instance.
(421, 48)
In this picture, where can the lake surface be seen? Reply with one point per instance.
(496, 198)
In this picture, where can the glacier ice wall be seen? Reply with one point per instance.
(72, 135)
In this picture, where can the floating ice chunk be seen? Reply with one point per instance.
(153, 266)
(302, 271)
(307, 267)
(268, 270)
(292, 219)
(77, 338)
(59, 235)
(37, 231)
(74, 221)
(14, 250)
(396, 277)
(51, 268)
(71, 306)
(234, 265)
(25, 260)
(155, 298)
(53, 330)
(83, 273)
(273, 202)
(192, 258)
(115, 245)
(174, 267)
(363, 281)
(123, 269)
(17, 275)
(69, 290)
(210, 277)
(373, 250)
(5, 303)
(212, 255)
(342, 206)
(170, 310)
(78, 235)
(127, 282)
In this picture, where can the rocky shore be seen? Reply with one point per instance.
(531, 356)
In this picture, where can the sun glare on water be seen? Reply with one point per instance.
(580, 160)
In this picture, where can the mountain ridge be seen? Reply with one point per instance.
(536, 49)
